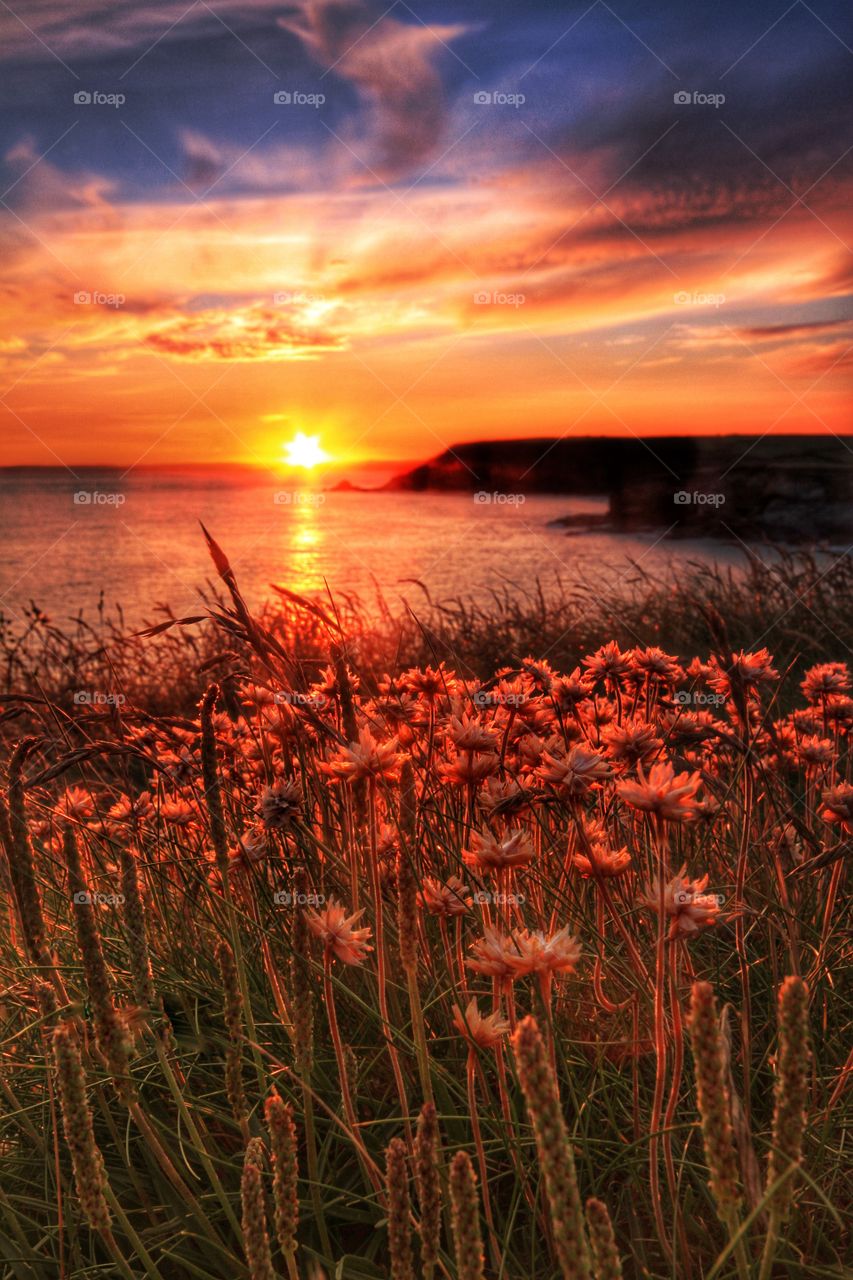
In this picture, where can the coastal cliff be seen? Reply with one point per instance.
(786, 488)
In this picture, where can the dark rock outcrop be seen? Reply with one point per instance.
(785, 488)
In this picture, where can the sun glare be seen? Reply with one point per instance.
(304, 451)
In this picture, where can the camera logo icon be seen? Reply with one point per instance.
(82, 297)
(282, 98)
(482, 98)
(82, 97)
(682, 498)
(82, 498)
(682, 98)
(482, 298)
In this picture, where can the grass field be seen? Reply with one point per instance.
(348, 948)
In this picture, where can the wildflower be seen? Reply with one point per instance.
(654, 664)
(280, 804)
(634, 742)
(90, 1178)
(178, 812)
(838, 806)
(77, 804)
(131, 809)
(252, 846)
(430, 683)
(488, 853)
(743, 673)
(366, 759)
(485, 1031)
(814, 751)
(686, 903)
(428, 1186)
(501, 797)
(792, 1072)
(664, 792)
(399, 1231)
(713, 1099)
(568, 691)
(492, 955)
(608, 663)
(336, 931)
(449, 899)
(838, 710)
(470, 735)
(556, 1158)
(601, 862)
(536, 952)
(256, 1240)
(465, 1218)
(233, 1014)
(605, 1257)
(279, 1118)
(576, 772)
(468, 770)
(824, 679)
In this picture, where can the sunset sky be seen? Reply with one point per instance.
(393, 264)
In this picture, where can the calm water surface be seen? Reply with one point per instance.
(138, 540)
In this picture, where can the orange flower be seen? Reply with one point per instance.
(450, 899)
(576, 772)
(335, 930)
(485, 1032)
(492, 955)
(467, 769)
(469, 735)
(76, 803)
(838, 806)
(664, 792)
(826, 678)
(487, 853)
(686, 903)
(537, 953)
(601, 862)
(366, 758)
(634, 742)
(279, 804)
(608, 663)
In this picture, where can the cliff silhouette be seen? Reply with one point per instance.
(785, 488)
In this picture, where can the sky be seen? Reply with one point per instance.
(398, 227)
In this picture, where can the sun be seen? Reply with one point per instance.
(304, 451)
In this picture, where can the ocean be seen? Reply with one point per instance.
(70, 538)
